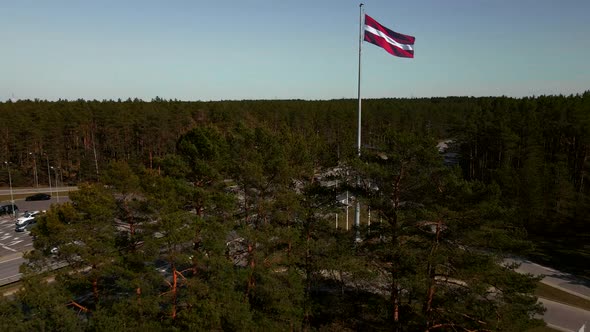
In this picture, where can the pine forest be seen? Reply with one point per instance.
(239, 215)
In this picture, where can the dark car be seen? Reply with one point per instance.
(38, 197)
(8, 209)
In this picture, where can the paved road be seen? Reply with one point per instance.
(559, 316)
(10, 267)
(560, 280)
(10, 241)
(13, 244)
(563, 317)
(57, 194)
(24, 191)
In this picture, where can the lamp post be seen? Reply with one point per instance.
(56, 183)
(35, 175)
(10, 184)
(48, 174)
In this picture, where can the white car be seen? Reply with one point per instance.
(26, 217)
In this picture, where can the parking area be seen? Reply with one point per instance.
(11, 241)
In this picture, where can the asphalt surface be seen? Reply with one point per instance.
(563, 317)
(26, 191)
(11, 241)
(557, 279)
(13, 244)
(559, 316)
(9, 271)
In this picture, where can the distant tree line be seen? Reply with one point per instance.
(536, 149)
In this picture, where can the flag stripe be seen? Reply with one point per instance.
(400, 38)
(393, 42)
(407, 47)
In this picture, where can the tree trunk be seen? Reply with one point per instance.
(95, 290)
(174, 291)
(431, 272)
(252, 264)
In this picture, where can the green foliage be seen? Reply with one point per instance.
(214, 215)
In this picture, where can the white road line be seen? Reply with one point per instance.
(7, 248)
(15, 258)
(15, 242)
(28, 244)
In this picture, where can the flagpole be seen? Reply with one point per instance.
(357, 214)
(358, 140)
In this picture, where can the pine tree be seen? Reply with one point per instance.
(438, 243)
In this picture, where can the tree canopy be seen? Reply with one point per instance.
(223, 215)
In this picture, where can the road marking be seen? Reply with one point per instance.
(7, 248)
(15, 242)
(28, 244)
(8, 260)
(5, 237)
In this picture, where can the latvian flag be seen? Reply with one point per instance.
(394, 43)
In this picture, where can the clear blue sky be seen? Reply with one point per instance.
(285, 49)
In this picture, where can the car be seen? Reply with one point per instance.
(25, 226)
(8, 209)
(38, 197)
(26, 217)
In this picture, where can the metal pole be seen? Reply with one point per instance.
(56, 183)
(357, 214)
(347, 210)
(10, 184)
(35, 175)
(361, 30)
(56, 186)
(49, 175)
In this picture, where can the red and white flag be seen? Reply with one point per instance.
(394, 43)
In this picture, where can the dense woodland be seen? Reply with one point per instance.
(217, 216)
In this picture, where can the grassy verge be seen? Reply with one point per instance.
(10, 288)
(557, 295)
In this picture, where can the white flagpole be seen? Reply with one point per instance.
(357, 214)
(361, 30)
